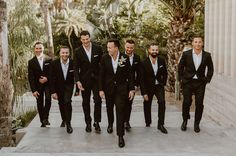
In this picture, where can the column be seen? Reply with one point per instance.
(211, 28)
(207, 26)
(227, 49)
(221, 29)
(216, 36)
(233, 40)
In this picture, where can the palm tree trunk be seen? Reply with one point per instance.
(6, 88)
(48, 27)
(175, 45)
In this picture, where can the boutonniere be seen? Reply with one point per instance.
(121, 61)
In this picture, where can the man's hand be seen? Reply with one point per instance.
(54, 96)
(102, 94)
(145, 97)
(79, 85)
(43, 79)
(76, 94)
(36, 94)
(131, 94)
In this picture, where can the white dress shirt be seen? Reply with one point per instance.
(65, 68)
(115, 62)
(40, 60)
(89, 52)
(155, 68)
(197, 59)
(131, 59)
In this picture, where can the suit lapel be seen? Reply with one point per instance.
(92, 53)
(37, 63)
(85, 54)
(69, 68)
(60, 69)
(118, 67)
(149, 63)
(203, 58)
(110, 65)
(191, 59)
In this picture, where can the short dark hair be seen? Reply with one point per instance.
(152, 44)
(197, 36)
(130, 41)
(84, 33)
(38, 42)
(115, 41)
(64, 47)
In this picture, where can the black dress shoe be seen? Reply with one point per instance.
(63, 124)
(88, 128)
(47, 122)
(43, 125)
(69, 129)
(197, 128)
(109, 129)
(127, 126)
(162, 129)
(184, 125)
(97, 127)
(148, 125)
(121, 142)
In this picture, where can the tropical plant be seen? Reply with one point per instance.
(181, 14)
(23, 30)
(73, 21)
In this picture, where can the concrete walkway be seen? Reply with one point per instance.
(213, 140)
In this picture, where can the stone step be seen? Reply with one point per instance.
(140, 140)
(115, 154)
(220, 102)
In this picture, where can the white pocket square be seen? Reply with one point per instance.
(71, 70)
(46, 64)
(161, 66)
(95, 56)
(135, 62)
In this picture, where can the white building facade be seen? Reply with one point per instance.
(220, 41)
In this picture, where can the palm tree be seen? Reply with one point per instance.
(73, 21)
(6, 89)
(182, 14)
(47, 20)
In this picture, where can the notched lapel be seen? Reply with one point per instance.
(36, 62)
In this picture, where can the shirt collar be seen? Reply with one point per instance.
(40, 56)
(151, 59)
(132, 56)
(88, 50)
(197, 54)
(67, 62)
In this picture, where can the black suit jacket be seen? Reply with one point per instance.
(35, 72)
(57, 82)
(135, 68)
(108, 80)
(148, 78)
(86, 71)
(186, 68)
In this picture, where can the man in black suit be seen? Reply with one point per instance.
(115, 85)
(152, 81)
(134, 60)
(87, 65)
(192, 73)
(62, 85)
(38, 76)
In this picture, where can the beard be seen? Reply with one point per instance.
(154, 55)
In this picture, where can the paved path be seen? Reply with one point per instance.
(213, 140)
